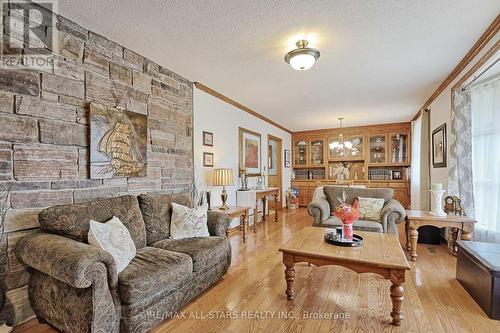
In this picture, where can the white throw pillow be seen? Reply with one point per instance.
(370, 208)
(188, 222)
(114, 238)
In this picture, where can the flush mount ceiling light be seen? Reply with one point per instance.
(303, 57)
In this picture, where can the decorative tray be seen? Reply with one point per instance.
(331, 238)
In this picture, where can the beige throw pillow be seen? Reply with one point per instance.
(370, 208)
(113, 237)
(188, 222)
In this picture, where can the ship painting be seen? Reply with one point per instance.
(118, 143)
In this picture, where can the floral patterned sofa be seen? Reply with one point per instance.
(75, 287)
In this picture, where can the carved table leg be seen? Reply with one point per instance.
(245, 226)
(454, 236)
(407, 229)
(413, 241)
(289, 275)
(264, 207)
(255, 216)
(275, 208)
(467, 230)
(397, 292)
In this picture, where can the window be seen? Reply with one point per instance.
(485, 110)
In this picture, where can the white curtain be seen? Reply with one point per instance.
(485, 110)
(416, 133)
(420, 162)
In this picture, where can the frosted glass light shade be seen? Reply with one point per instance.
(302, 58)
(334, 144)
(302, 62)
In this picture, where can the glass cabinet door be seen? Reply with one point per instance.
(317, 155)
(399, 147)
(335, 150)
(300, 152)
(355, 146)
(378, 149)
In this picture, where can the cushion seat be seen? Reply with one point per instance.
(488, 254)
(362, 225)
(204, 251)
(152, 271)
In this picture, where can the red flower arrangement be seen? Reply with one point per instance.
(347, 213)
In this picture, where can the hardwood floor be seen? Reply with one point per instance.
(254, 291)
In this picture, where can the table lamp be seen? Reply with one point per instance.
(223, 177)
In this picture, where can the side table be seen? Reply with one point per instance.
(237, 211)
(417, 218)
(252, 197)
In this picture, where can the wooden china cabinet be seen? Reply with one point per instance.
(374, 156)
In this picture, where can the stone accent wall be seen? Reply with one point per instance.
(44, 135)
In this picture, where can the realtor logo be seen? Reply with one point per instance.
(29, 34)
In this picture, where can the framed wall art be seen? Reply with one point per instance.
(208, 159)
(118, 143)
(208, 139)
(249, 152)
(288, 158)
(439, 147)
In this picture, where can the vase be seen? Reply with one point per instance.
(348, 231)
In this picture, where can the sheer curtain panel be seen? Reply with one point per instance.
(485, 111)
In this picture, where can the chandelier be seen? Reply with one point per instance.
(341, 144)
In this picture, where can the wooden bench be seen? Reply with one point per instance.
(478, 270)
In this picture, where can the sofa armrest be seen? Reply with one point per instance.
(65, 259)
(218, 223)
(392, 213)
(319, 208)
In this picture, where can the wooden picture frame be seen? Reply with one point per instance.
(287, 158)
(208, 160)
(208, 139)
(439, 147)
(250, 151)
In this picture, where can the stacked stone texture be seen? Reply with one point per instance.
(44, 134)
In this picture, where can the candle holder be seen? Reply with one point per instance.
(437, 199)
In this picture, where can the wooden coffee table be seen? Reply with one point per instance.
(380, 254)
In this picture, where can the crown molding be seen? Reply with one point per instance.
(490, 32)
(228, 100)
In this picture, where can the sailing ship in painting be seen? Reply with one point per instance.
(118, 143)
(124, 157)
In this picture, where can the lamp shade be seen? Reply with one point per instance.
(223, 177)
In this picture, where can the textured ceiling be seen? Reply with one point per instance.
(380, 60)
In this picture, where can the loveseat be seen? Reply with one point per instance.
(75, 287)
(391, 214)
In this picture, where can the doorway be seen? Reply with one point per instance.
(274, 166)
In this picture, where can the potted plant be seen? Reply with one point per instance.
(4, 207)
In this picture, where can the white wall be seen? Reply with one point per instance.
(223, 120)
(441, 113)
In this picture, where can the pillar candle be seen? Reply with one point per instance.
(436, 186)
